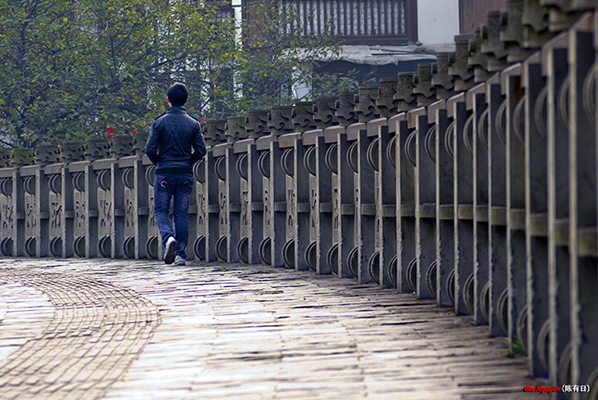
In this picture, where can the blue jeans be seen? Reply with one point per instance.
(179, 186)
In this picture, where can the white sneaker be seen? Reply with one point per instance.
(179, 260)
(171, 245)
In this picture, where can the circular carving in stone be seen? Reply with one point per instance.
(374, 267)
(200, 247)
(288, 253)
(266, 251)
(332, 259)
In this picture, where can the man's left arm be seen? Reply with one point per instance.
(199, 146)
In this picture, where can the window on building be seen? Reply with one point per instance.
(356, 22)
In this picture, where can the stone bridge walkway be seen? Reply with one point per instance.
(121, 329)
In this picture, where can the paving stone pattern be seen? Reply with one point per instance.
(97, 331)
(122, 329)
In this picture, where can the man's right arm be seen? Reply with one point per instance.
(151, 148)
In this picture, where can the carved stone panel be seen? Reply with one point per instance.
(324, 112)
(130, 217)
(47, 154)
(280, 120)
(122, 146)
(235, 129)
(7, 218)
(96, 149)
(139, 143)
(405, 98)
(214, 131)
(256, 123)
(290, 198)
(4, 158)
(303, 116)
(366, 103)
(223, 209)
(31, 217)
(22, 157)
(345, 109)
(105, 217)
(55, 214)
(201, 209)
(386, 102)
(72, 151)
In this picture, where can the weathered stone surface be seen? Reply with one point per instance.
(235, 128)
(478, 59)
(513, 35)
(214, 131)
(280, 120)
(366, 103)
(4, 157)
(386, 102)
(491, 45)
(535, 24)
(562, 14)
(460, 69)
(442, 81)
(47, 154)
(256, 123)
(324, 112)
(96, 149)
(132, 329)
(122, 146)
(139, 143)
(73, 151)
(21, 157)
(345, 109)
(303, 118)
(76, 350)
(405, 98)
(424, 89)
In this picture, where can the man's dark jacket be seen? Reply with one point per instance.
(173, 136)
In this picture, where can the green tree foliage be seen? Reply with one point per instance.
(77, 68)
(277, 57)
(72, 69)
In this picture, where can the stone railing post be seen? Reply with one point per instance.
(405, 207)
(365, 209)
(140, 201)
(583, 233)
(536, 185)
(70, 152)
(122, 197)
(48, 193)
(425, 210)
(463, 191)
(445, 237)
(207, 208)
(550, 122)
(20, 158)
(381, 154)
(477, 139)
(96, 226)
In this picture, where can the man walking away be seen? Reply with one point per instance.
(174, 145)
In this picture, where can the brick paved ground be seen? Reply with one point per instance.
(139, 330)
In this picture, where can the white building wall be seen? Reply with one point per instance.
(437, 21)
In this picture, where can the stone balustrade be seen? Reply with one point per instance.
(472, 182)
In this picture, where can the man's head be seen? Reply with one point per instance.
(177, 95)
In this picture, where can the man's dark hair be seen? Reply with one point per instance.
(177, 94)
